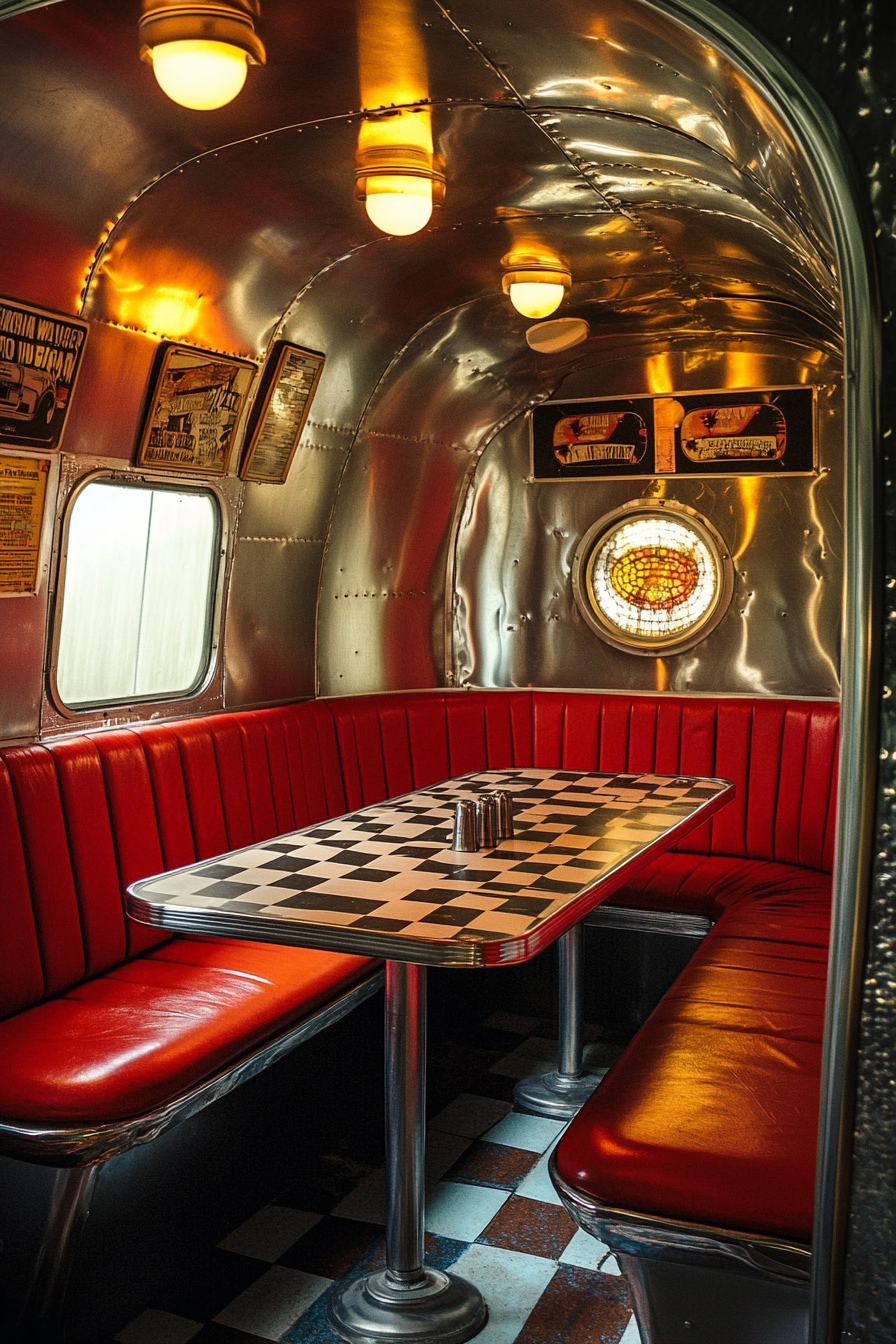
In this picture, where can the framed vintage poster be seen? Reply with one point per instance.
(23, 489)
(194, 406)
(289, 383)
(766, 432)
(40, 355)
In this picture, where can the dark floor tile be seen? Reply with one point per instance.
(452, 1067)
(225, 1334)
(531, 1227)
(492, 1164)
(326, 1182)
(332, 1247)
(217, 1278)
(492, 1085)
(579, 1306)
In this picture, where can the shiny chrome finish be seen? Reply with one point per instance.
(515, 621)
(406, 1302)
(465, 838)
(505, 814)
(487, 822)
(690, 1281)
(561, 1092)
(81, 1146)
(42, 1316)
(609, 916)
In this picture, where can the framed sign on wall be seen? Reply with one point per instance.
(770, 431)
(195, 402)
(288, 386)
(40, 355)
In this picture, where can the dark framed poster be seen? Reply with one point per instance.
(40, 355)
(195, 402)
(765, 432)
(288, 386)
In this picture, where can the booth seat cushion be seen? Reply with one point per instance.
(128, 1041)
(711, 1113)
(709, 884)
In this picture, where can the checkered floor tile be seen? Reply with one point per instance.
(491, 1214)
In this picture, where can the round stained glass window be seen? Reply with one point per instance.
(652, 579)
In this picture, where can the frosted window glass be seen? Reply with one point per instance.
(138, 591)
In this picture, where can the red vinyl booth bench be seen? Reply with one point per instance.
(112, 1032)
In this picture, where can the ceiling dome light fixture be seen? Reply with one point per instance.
(200, 51)
(399, 185)
(550, 338)
(536, 287)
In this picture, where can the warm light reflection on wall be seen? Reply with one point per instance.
(165, 292)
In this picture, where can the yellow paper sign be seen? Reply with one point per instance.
(23, 488)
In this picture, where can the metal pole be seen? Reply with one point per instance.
(405, 1068)
(572, 1003)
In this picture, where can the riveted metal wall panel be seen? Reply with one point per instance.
(516, 622)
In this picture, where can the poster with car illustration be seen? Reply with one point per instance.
(40, 355)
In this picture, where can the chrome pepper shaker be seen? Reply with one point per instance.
(487, 821)
(465, 828)
(505, 813)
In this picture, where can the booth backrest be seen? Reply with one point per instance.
(780, 754)
(81, 818)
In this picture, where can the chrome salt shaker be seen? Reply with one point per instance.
(505, 813)
(465, 828)
(487, 821)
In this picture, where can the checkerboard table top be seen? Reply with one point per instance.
(384, 881)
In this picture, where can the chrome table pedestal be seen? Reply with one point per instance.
(560, 1093)
(406, 1302)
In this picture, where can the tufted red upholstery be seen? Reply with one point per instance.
(105, 1018)
(710, 1115)
(120, 1018)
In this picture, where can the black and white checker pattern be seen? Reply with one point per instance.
(386, 875)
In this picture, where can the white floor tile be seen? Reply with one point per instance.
(469, 1115)
(538, 1184)
(367, 1202)
(270, 1306)
(511, 1284)
(631, 1335)
(534, 1133)
(159, 1327)
(611, 1266)
(462, 1211)
(585, 1251)
(270, 1232)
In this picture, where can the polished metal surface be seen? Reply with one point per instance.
(465, 838)
(42, 1316)
(406, 1301)
(562, 1092)
(84, 1145)
(684, 1243)
(697, 190)
(515, 619)
(609, 916)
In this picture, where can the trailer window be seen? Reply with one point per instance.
(138, 593)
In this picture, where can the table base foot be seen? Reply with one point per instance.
(439, 1309)
(557, 1095)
